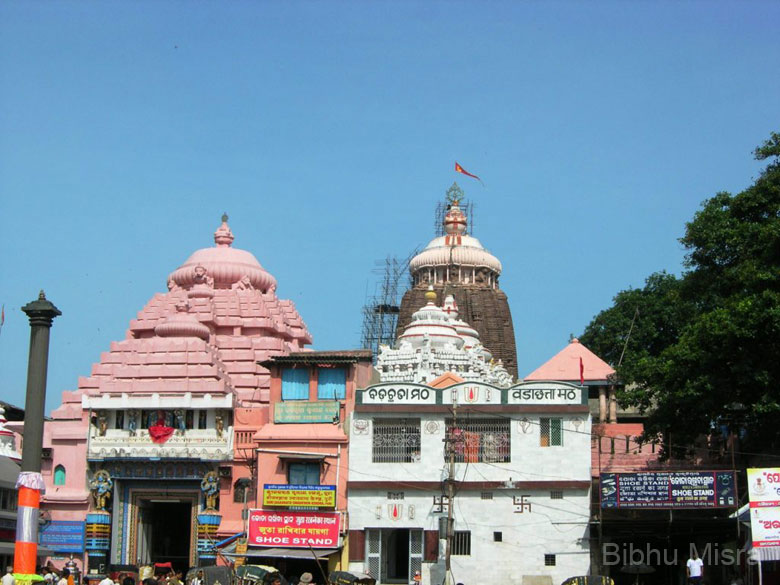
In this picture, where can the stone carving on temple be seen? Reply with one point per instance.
(202, 277)
(101, 485)
(243, 284)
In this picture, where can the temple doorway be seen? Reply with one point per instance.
(165, 532)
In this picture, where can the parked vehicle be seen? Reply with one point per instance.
(256, 574)
(212, 575)
(350, 578)
(589, 580)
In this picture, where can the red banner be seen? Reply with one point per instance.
(294, 529)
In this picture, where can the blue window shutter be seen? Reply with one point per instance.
(304, 473)
(332, 384)
(295, 384)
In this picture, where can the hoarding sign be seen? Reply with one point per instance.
(764, 492)
(322, 411)
(321, 496)
(294, 529)
(669, 489)
(63, 536)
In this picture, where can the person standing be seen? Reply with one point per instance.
(64, 577)
(106, 581)
(8, 578)
(694, 568)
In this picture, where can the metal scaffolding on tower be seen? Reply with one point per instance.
(441, 210)
(380, 312)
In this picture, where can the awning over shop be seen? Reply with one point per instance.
(290, 553)
(765, 553)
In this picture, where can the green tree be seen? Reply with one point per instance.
(705, 348)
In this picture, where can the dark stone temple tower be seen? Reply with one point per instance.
(457, 264)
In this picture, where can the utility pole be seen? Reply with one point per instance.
(451, 495)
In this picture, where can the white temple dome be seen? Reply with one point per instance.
(433, 324)
(224, 264)
(469, 252)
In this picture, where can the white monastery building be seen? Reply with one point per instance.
(518, 457)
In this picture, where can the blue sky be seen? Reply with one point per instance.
(329, 130)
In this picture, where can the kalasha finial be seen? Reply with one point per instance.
(41, 296)
(430, 294)
(223, 236)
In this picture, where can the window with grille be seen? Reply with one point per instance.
(556, 495)
(549, 560)
(241, 490)
(8, 499)
(487, 495)
(396, 440)
(395, 495)
(551, 432)
(461, 542)
(481, 440)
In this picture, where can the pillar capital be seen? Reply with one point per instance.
(41, 311)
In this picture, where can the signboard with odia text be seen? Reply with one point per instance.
(299, 411)
(669, 489)
(294, 529)
(476, 393)
(319, 496)
(764, 491)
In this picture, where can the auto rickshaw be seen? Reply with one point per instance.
(350, 578)
(256, 574)
(212, 575)
(589, 580)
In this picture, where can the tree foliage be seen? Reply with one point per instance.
(705, 347)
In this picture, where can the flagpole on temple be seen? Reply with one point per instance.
(41, 313)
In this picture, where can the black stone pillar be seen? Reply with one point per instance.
(41, 314)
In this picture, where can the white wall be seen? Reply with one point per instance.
(552, 526)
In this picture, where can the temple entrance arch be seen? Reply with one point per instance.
(163, 527)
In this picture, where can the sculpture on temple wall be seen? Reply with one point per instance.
(132, 423)
(172, 286)
(202, 276)
(209, 485)
(180, 422)
(243, 284)
(220, 424)
(102, 423)
(101, 485)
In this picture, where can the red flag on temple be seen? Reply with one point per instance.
(460, 169)
(582, 372)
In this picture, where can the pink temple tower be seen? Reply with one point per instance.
(149, 450)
